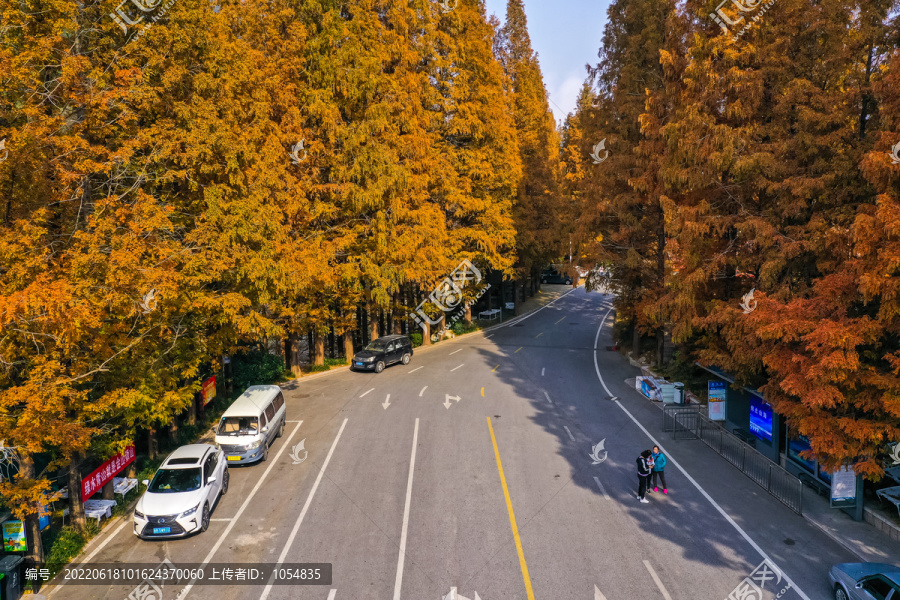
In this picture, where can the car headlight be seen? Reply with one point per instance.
(370, 359)
(254, 445)
(139, 514)
(189, 511)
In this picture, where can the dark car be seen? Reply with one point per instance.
(554, 276)
(382, 352)
(865, 581)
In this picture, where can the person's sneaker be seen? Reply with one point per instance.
(665, 491)
(656, 489)
(645, 501)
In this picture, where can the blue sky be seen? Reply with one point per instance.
(566, 35)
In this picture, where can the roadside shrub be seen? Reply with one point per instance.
(65, 547)
(256, 367)
(460, 328)
(416, 339)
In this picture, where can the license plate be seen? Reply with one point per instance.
(234, 458)
(359, 364)
(162, 530)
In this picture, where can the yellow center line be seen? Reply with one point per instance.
(495, 368)
(539, 335)
(520, 347)
(482, 392)
(559, 320)
(512, 517)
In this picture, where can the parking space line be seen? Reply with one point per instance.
(602, 489)
(309, 498)
(547, 396)
(414, 370)
(223, 519)
(512, 517)
(398, 580)
(367, 391)
(332, 594)
(571, 437)
(657, 581)
(247, 500)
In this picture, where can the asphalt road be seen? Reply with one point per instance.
(470, 468)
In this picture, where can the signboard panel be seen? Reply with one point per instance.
(91, 484)
(14, 537)
(208, 390)
(760, 418)
(843, 487)
(717, 391)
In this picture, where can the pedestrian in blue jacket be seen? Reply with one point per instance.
(659, 470)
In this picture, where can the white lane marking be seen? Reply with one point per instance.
(571, 437)
(299, 521)
(398, 581)
(414, 370)
(718, 508)
(459, 367)
(293, 421)
(598, 595)
(367, 391)
(546, 395)
(331, 594)
(423, 391)
(224, 519)
(234, 519)
(455, 351)
(531, 314)
(656, 580)
(487, 337)
(542, 371)
(602, 489)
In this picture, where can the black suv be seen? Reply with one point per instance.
(553, 276)
(382, 352)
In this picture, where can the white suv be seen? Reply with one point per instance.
(179, 499)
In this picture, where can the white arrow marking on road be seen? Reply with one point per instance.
(387, 402)
(598, 595)
(595, 454)
(423, 391)
(571, 437)
(454, 595)
(367, 391)
(448, 398)
(459, 367)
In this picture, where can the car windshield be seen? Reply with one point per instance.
(175, 480)
(238, 426)
(376, 346)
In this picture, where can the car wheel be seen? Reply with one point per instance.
(405, 359)
(265, 452)
(225, 478)
(840, 593)
(281, 429)
(379, 367)
(568, 282)
(204, 520)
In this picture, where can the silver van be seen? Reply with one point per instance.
(251, 424)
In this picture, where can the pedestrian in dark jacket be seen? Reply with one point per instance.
(659, 470)
(644, 465)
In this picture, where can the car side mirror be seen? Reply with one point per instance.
(146, 483)
(211, 479)
(859, 585)
(265, 429)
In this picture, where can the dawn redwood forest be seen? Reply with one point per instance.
(231, 177)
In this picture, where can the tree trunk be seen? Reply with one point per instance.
(348, 345)
(173, 431)
(319, 358)
(109, 490)
(636, 341)
(192, 408)
(332, 353)
(426, 333)
(76, 502)
(32, 526)
(373, 323)
(152, 444)
(288, 353)
(467, 315)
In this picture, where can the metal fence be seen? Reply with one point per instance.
(689, 422)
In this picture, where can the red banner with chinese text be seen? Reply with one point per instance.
(91, 484)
